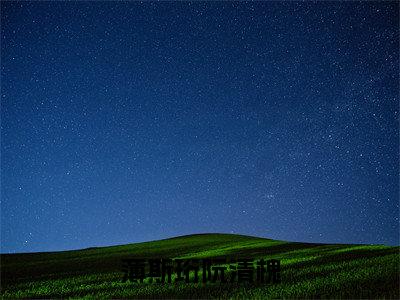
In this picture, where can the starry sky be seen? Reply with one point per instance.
(130, 121)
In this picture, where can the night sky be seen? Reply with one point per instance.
(129, 122)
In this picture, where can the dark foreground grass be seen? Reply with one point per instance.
(309, 271)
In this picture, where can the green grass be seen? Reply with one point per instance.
(308, 270)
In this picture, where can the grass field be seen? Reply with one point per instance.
(308, 271)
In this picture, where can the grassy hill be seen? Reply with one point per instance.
(308, 270)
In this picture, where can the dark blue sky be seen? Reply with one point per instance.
(128, 122)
